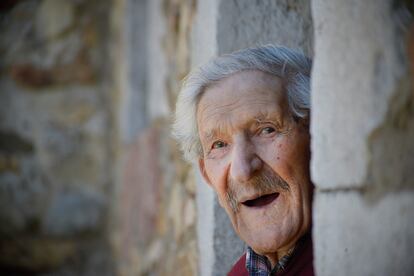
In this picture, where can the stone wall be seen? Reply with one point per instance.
(155, 203)
(362, 137)
(55, 165)
(91, 182)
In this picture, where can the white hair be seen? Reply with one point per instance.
(292, 66)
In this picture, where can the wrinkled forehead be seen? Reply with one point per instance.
(245, 84)
(247, 78)
(242, 97)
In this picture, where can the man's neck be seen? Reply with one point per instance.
(287, 252)
(275, 257)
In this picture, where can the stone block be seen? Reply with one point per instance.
(205, 226)
(353, 236)
(140, 189)
(157, 100)
(13, 143)
(391, 145)
(242, 24)
(356, 71)
(189, 213)
(70, 136)
(34, 254)
(78, 70)
(204, 33)
(75, 212)
(55, 137)
(54, 17)
(133, 72)
(186, 261)
(24, 193)
(176, 210)
(15, 119)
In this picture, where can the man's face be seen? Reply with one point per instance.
(256, 157)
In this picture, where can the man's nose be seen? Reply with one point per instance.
(245, 162)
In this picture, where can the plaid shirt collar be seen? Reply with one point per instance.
(258, 265)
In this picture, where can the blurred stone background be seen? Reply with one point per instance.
(56, 135)
(91, 182)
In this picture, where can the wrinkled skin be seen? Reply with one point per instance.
(248, 135)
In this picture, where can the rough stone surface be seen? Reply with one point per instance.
(35, 254)
(74, 213)
(355, 73)
(391, 146)
(362, 133)
(205, 226)
(92, 184)
(242, 24)
(157, 100)
(204, 32)
(204, 47)
(23, 198)
(156, 214)
(133, 103)
(53, 17)
(156, 211)
(353, 237)
(140, 194)
(54, 137)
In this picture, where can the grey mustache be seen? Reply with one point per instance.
(265, 182)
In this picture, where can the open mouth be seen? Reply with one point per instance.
(261, 201)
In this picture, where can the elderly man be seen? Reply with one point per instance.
(244, 117)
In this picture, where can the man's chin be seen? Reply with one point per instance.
(265, 247)
(263, 241)
(270, 239)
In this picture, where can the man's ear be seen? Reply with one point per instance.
(202, 168)
(304, 122)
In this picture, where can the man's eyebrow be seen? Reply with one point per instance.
(260, 117)
(210, 134)
(266, 117)
(263, 117)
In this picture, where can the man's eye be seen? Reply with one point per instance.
(267, 130)
(218, 145)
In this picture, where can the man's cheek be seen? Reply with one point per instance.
(217, 176)
(223, 202)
